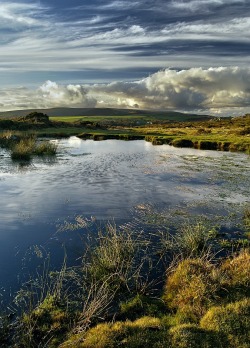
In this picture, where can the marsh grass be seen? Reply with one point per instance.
(42, 304)
(23, 149)
(79, 306)
(23, 146)
(116, 255)
(45, 148)
(73, 299)
(190, 240)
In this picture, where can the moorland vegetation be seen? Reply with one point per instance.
(225, 134)
(134, 289)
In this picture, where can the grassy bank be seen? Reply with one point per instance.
(229, 134)
(134, 289)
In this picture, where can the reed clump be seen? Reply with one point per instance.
(45, 148)
(23, 149)
(24, 146)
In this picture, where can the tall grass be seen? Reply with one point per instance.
(23, 149)
(23, 146)
(45, 148)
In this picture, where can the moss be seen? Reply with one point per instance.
(192, 287)
(232, 320)
(191, 336)
(48, 322)
(144, 332)
(237, 275)
(141, 305)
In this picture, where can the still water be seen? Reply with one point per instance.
(108, 180)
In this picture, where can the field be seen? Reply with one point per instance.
(141, 118)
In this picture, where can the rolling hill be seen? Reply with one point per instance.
(166, 115)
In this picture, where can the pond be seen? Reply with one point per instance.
(108, 180)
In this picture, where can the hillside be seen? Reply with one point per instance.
(167, 115)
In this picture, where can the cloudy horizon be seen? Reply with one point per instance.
(185, 55)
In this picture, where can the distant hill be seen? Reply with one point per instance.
(171, 115)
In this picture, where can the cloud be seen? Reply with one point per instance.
(39, 39)
(215, 89)
(14, 15)
(199, 88)
(50, 94)
(224, 90)
(201, 5)
(235, 29)
(56, 95)
(121, 5)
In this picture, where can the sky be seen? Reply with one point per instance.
(184, 55)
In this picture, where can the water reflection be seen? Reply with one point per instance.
(106, 180)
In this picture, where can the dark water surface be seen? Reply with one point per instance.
(108, 180)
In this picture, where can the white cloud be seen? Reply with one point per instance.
(120, 5)
(39, 41)
(214, 89)
(201, 5)
(224, 90)
(14, 15)
(235, 29)
(56, 95)
(50, 94)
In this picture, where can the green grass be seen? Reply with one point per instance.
(225, 135)
(100, 118)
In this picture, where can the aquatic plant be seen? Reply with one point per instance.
(45, 148)
(23, 149)
(190, 240)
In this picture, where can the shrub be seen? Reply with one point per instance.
(232, 320)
